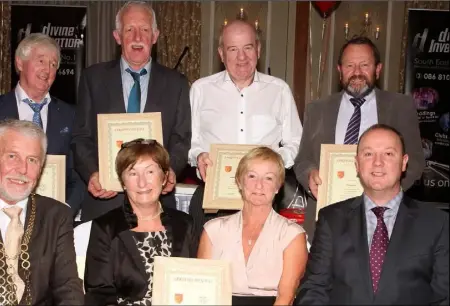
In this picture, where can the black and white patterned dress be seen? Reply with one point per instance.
(149, 245)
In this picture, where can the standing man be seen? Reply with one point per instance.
(132, 84)
(241, 106)
(381, 248)
(37, 59)
(342, 117)
(37, 253)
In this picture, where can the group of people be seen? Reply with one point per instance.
(379, 248)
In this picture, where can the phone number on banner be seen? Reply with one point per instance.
(66, 72)
(433, 76)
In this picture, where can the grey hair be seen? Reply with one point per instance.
(26, 128)
(141, 4)
(257, 38)
(36, 39)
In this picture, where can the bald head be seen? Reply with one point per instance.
(237, 26)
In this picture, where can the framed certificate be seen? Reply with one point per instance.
(338, 173)
(221, 191)
(187, 281)
(52, 183)
(115, 129)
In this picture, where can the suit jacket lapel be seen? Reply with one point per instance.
(54, 124)
(358, 231)
(384, 107)
(113, 86)
(130, 244)
(8, 106)
(399, 238)
(330, 117)
(155, 89)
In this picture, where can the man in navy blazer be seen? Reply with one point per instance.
(37, 59)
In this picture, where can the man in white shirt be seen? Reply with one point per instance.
(37, 253)
(241, 105)
(342, 117)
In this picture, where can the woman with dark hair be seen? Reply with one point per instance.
(124, 242)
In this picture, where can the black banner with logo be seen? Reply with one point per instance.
(427, 80)
(67, 25)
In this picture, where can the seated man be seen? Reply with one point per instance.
(37, 254)
(381, 248)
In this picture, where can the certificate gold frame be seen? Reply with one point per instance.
(52, 182)
(189, 281)
(338, 173)
(115, 129)
(221, 191)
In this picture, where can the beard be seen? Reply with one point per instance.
(359, 91)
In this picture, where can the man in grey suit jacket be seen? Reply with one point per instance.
(328, 120)
(108, 88)
(381, 248)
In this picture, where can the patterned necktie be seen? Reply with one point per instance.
(352, 134)
(36, 107)
(134, 99)
(380, 241)
(13, 238)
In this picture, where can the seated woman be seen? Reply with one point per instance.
(267, 251)
(124, 242)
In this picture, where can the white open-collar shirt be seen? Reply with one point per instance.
(264, 113)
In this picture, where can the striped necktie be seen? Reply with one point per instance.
(36, 107)
(134, 99)
(352, 134)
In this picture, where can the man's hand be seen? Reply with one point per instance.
(203, 162)
(95, 188)
(314, 182)
(171, 182)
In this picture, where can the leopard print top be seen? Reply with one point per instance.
(149, 245)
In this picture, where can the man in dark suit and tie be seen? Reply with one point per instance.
(37, 59)
(381, 248)
(37, 253)
(342, 117)
(134, 83)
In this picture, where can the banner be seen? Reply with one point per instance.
(67, 25)
(427, 80)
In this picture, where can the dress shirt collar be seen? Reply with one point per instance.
(22, 95)
(392, 204)
(124, 66)
(22, 204)
(227, 78)
(369, 97)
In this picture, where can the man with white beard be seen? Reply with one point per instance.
(37, 253)
(342, 117)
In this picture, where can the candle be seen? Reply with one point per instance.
(366, 19)
(377, 33)
(242, 13)
(225, 22)
(256, 24)
(346, 30)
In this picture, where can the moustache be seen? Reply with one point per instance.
(358, 78)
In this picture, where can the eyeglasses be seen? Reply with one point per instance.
(143, 141)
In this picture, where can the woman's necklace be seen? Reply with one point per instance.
(149, 218)
(250, 241)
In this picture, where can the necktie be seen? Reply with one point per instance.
(134, 99)
(36, 107)
(352, 134)
(380, 241)
(13, 238)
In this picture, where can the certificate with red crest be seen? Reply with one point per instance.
(338, 173)
(113, 131)
(187, 281)
(221, 191)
